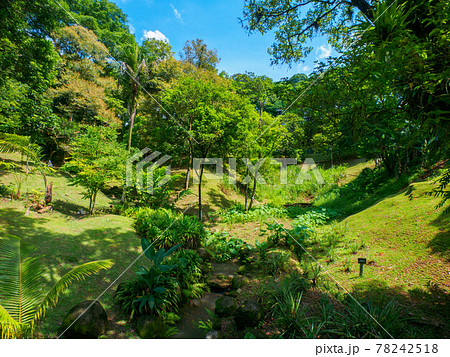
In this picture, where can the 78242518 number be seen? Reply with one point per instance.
(407, 348)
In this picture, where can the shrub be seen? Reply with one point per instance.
(224, 248)
(188, 273)
(165, 228)
(369, 320)
(285, 300)
(154, 292)
(277, 262)
(313, 217)
(237, 213)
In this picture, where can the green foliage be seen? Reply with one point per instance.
(23, 303)
(225, 248)
(188, 273)
(442, 191)
(285, 298)
(276, 262)
(367, 319)
(165, 228)
(96, 159)
(311, 217)
(237, 213)
(154, 290)
(300, 183)
(154, 190)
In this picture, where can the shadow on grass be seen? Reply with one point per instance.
(440, 244)
(427, 308)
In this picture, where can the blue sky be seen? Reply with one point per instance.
(217, 23)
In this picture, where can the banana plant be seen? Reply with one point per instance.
(22, 301)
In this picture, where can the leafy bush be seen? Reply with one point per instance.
(224, 248)
(188, 273)
(237, 213)
(165, 228)
(154, 292)
(154, 194)
(312, 217)
(277, 262)
(285, 299)
(369, 320)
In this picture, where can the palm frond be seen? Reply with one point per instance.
(77, 274)
(13, 143)
(20, 274)
(9, 328)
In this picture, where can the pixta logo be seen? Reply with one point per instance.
(143, 160)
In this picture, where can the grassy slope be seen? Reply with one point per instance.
(68, 239)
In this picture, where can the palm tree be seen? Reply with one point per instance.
(22, 301)
(134, 69)
(23, 145)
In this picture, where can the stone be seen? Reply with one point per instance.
(225, 306)
(88, 321)
(238, 282)
(151, 327)
(249, 314)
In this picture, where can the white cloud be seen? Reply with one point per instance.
(132, 29)
(157, 35)
(303, 69)
(176, 12)
(323, 52)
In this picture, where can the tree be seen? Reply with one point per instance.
(196, 53)
(96, 159)
(212, 114)
(22, 301)
(295, 22)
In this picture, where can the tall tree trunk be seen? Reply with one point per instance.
(200, 212)
(131, 124)
(253, 193)
(246, 191)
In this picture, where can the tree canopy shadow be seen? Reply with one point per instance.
(440, 243)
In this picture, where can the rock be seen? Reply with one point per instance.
(88, 321)
(212, 335)
(238, 282)
(151, 327)
(225, 306)
(204, 254)
(248, 314)
(219, 283)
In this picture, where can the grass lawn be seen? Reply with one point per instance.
(68, 239)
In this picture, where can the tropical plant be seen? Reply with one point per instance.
(224, 247)
(33, 153)
(286, 302)
(277, 262)
(276, 232)
(166, 228)
(367, 319)
(157, 279)
(23, 303)
(188, 273)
